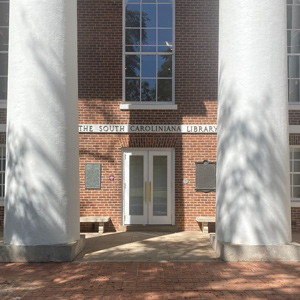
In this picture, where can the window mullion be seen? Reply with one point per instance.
(156, 7)
(161, 63)
(141, 45)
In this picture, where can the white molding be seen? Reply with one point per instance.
(294, 106)
(147, 106)
(294, 129)
(2, 127)
(295, 203)
(124, 53)
(130, 128)
(3, 104)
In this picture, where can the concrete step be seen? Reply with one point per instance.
(161, 228)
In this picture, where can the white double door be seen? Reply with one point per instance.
(147, 189)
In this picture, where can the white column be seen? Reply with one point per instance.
(253, 205)
(42, 176)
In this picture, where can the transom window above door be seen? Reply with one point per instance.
(148, 51)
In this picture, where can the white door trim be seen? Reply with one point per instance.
(153, 220)
(126, 218)
(130, 219)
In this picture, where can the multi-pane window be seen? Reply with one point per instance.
(2, 171)
(149, 49)
(295, 173)
(293, 49)
(4, 14)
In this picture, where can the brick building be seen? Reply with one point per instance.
(100, 69)
(148, 90)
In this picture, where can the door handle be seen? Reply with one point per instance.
(150, 192)
(145, 191)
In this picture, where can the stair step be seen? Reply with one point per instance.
(161, 228)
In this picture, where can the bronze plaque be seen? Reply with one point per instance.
(205, 176)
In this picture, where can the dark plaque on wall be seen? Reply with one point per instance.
(92, 176)
(205, 176)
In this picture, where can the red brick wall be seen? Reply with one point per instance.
(107, 149)
(2, 116)
(190, 203)
(294, 117)
(294, 139)
(104, 149)
(100, 64)
(100, 93)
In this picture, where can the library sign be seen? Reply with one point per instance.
(100, 128)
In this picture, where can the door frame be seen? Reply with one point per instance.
(172, 151)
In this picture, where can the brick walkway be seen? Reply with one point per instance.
(151, 280)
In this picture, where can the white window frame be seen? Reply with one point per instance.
(148, 105)
(3, 102)
(2, 171)
(295, 202)
(292, 105)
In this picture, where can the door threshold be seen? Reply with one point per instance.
(160, 228)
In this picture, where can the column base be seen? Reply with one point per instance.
(44, 253)
(270, 253)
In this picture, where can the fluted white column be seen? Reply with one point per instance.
(253, 204)
(42, 176)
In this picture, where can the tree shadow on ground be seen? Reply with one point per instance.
(166, 280)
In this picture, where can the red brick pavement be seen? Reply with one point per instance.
(100, 280)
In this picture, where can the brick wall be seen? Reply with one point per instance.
(294, 139)
(2, 116)
(100, 64)
(100, 93)
(107, 149)
(294, 117)
(190, 203)
(104, 149)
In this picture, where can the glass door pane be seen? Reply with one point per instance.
(147, 191)
(160, 185)
(136, 189)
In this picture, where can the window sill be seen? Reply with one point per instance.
(294, 106)
(1, 202)
(148, 106)
(295, 203)
(3, 104)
